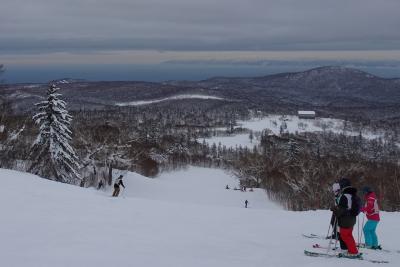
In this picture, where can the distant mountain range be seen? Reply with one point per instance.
(330, 90)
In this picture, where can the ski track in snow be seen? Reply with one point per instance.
(179, 219)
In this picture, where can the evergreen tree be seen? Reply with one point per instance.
(292, 151)
(51, 154)
(251, 136)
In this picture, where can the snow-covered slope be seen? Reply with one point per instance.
(178, 219)
(201, 186)
(176, 97)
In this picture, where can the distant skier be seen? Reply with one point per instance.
(245, 203)
(101, 185)
(117, 185)
(227, 187)
(371, 210)
(346, 212)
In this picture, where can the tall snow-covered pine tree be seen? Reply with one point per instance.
(52, 155)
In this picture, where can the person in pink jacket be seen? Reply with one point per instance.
(371, 210)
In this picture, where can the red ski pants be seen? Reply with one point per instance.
(347, 236)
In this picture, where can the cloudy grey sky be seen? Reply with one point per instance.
(168, 29)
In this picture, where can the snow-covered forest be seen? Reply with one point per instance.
(294, 160)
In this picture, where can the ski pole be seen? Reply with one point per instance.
(336, 233)
(330, 240)
(358, 230)
(329, 228)
(362, 231)
(359, 235)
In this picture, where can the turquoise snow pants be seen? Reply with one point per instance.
(371, 238)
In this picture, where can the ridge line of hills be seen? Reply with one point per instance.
(330, 90)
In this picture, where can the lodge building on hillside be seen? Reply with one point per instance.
(306, 114)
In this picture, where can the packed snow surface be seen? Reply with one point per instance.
(177, 97)
(179, 219)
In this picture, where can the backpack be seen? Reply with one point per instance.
(355, 205)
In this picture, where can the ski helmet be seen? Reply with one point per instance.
(366, 190)
(344, 182)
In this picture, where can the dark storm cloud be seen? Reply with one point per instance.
(89, 25)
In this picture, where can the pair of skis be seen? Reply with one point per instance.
(334, 255)
(314, 236)
(359, 246)
(340, 255)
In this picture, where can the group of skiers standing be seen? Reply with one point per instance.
(345, 211)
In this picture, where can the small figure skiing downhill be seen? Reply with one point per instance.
(100, 185)
(118, 182)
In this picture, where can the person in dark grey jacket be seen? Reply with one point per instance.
(334, 221)
(346, 220)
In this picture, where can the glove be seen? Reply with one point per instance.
(333, 208)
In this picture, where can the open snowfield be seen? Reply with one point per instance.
(176, 97)
(290, 124)
(184, 218)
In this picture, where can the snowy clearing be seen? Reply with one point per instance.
(179, 219)
(177, 97)
(289, 124)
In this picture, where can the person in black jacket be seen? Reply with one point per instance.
(118, 183)
(346, 220)
(334, 220)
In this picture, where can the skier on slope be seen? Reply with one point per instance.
(346, 214)
(246, 202)
(101, 185)
(334, 220)
(118, 182)
(371, 210)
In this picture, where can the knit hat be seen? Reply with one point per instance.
(336, 187)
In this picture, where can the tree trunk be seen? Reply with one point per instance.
(110, 169)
